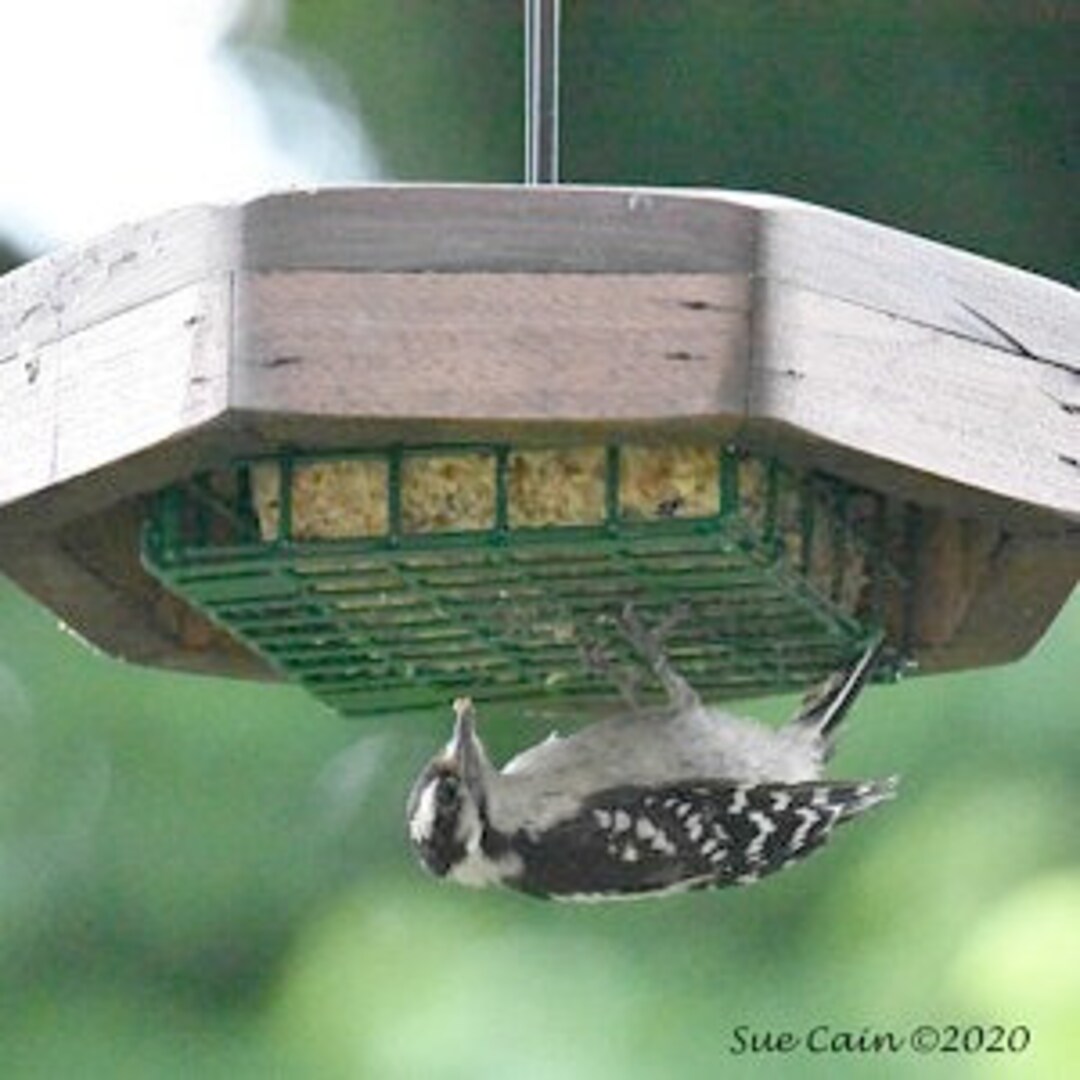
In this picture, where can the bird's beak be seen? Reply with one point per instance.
(464, 748)
(464, 723)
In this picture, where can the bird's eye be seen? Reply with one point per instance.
(448, 792)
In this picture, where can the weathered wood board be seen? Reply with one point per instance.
(353, 317)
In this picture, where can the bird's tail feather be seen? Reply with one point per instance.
(826, 706)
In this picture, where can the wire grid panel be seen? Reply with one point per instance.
(776, 582)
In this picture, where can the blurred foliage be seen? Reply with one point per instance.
(201, 877)
(206, 878)
(950, 119)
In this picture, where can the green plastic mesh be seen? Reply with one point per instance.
(780, 575)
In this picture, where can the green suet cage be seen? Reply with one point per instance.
(397, 578)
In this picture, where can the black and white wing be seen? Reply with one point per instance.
(633, 842)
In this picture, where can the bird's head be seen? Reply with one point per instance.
(447, 807)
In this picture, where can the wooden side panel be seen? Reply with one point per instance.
(494, 347)
(500, 229)
(917, 396)
(89, 574)
(73, 288)
(113, 389)
(910, 277)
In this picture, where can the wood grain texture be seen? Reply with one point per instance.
(929, 400)
(499, 229)
(909, 277)
(502, 347)
(110, 390)
(360, 316)
(67, 290)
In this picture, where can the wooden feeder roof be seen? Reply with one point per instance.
(368, 316)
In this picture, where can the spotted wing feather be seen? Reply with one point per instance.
(629, 842)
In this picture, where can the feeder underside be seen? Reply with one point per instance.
(778, 575)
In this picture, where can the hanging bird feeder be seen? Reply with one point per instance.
(401, 443)
(396, 443)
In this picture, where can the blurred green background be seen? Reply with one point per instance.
(207, 878)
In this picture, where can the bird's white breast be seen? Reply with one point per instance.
(650, 748)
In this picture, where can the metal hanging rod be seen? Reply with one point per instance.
(541, 91)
